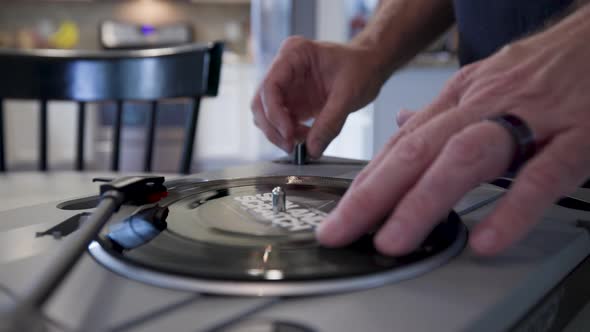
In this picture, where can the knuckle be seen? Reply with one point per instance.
(493, 86)
(513, 76)
(411, 148)
(463, 76)
(401, 133)
(464, 149)
(327, 131)
(392, 141)
(294, 42)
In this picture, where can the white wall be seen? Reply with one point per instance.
(355, 140)
(22, 123)
(226, 129)
(412, 88)
(331, 21)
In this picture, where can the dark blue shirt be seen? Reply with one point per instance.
(487, 25)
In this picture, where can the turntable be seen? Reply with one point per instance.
(234, 250)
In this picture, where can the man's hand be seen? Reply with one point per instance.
(449, 147)
(307, 80)
(327, 81)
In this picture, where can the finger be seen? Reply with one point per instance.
(369, 202)
(446, 100)
(480, 152)
(261, 122)
(332, 232)
(276, 112)
(555, 171)
(301, 132)
(272, 92)
(403, 116)
(415, 122)
(326, 126)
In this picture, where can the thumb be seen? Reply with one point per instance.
(326, 127)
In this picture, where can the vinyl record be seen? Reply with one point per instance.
(227, 231)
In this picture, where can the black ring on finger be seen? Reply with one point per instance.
(523, 137)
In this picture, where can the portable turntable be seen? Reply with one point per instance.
(234, 250)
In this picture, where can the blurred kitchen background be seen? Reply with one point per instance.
(253, 31)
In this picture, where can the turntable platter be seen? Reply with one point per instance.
(237, 237)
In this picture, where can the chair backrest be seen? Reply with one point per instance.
(97, 76)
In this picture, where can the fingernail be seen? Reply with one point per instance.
(486, 240)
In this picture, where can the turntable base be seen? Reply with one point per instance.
(526, 287)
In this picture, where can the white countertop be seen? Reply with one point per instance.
(30, 188)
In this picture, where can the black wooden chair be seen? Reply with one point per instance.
(191, 71)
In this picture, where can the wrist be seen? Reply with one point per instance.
(400, 29)
(380, 58)
(571, 29)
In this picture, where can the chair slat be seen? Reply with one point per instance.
(80, 136)
(2, 160)
(43, 137)
(150, 135)
(117, 136)
(189, 140)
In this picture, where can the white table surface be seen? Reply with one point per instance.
(30, 188)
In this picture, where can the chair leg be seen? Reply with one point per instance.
(117, 136)
(2, 161)
(189, 139)
(151, 133)
(80, 136)
(43, 137)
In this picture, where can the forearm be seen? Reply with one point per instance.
(402, 28)
(572, 27)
